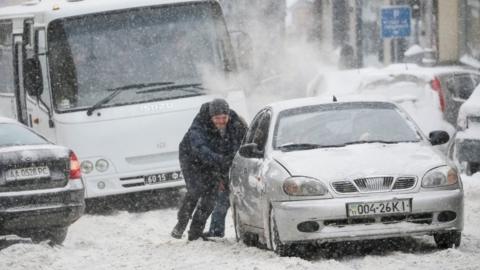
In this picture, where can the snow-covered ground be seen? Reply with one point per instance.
(125, 240)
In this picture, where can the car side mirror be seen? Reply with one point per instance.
(32, 78)
(250, 150)
(439, 137)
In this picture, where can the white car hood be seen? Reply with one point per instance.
(362, 160)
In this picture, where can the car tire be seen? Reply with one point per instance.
(472, 168)
(54, 236)
(248, 239)
(448, 239)
(276, 245)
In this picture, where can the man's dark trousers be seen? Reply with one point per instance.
(201, 193)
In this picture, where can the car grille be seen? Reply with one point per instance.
(59, 170)
(344, 187)
(422, 218)
(374, 184)
(138, 183)
(404, 183)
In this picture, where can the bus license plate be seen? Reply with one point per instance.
(163, 177)
(27, 173)
(379, 208)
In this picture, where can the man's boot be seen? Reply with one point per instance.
(178, 230)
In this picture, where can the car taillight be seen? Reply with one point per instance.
(75, 171)
(437, 87)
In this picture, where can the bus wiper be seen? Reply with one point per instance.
(183, 87)
(116, 91)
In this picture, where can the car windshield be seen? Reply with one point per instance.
(14, 134)
(92, 54)
(334, 125)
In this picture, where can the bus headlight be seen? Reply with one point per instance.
(86, 166)
(101, 165)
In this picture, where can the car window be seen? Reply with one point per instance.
(260, 136)
(253, 127)
(462, 85)
(14, 134)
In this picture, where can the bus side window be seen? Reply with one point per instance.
(6, 57)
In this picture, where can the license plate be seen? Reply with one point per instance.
(27, 173)
(379, 208)
(163, 177)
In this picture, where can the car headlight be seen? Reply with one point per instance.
(304, 186)
(86, 166)
(101, 165)
(439, 177)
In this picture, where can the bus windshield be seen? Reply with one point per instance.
(91, 55)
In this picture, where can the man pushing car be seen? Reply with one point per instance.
(206, 154)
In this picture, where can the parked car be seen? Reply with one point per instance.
(453, 84)
(312, 171)
(443, 88)
(41, 189)
(465, 148)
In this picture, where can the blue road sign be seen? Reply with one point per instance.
(396, 21)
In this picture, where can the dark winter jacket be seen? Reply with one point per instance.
(205, 152)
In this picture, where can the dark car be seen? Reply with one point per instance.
(459, 87)
(465, 146)
(41, 189)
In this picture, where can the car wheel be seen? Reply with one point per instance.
(54, 236)
(240, 235)
(276, 245)
(473, 167)
(448, 240)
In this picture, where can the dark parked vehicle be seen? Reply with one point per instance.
(459, 87)
(41, 189)
(465, 148)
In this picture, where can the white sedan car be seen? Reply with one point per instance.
(311, 171)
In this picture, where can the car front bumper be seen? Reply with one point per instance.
(334, 225)
(40, 209)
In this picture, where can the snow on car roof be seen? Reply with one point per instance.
(471, 107)
(427, 71)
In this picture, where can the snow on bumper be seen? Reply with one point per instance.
(334, 225)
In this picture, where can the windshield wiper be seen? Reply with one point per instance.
(375, 141)
(116, 91)
(183, 87)
(299, 146)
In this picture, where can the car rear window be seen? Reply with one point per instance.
(14, 134)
